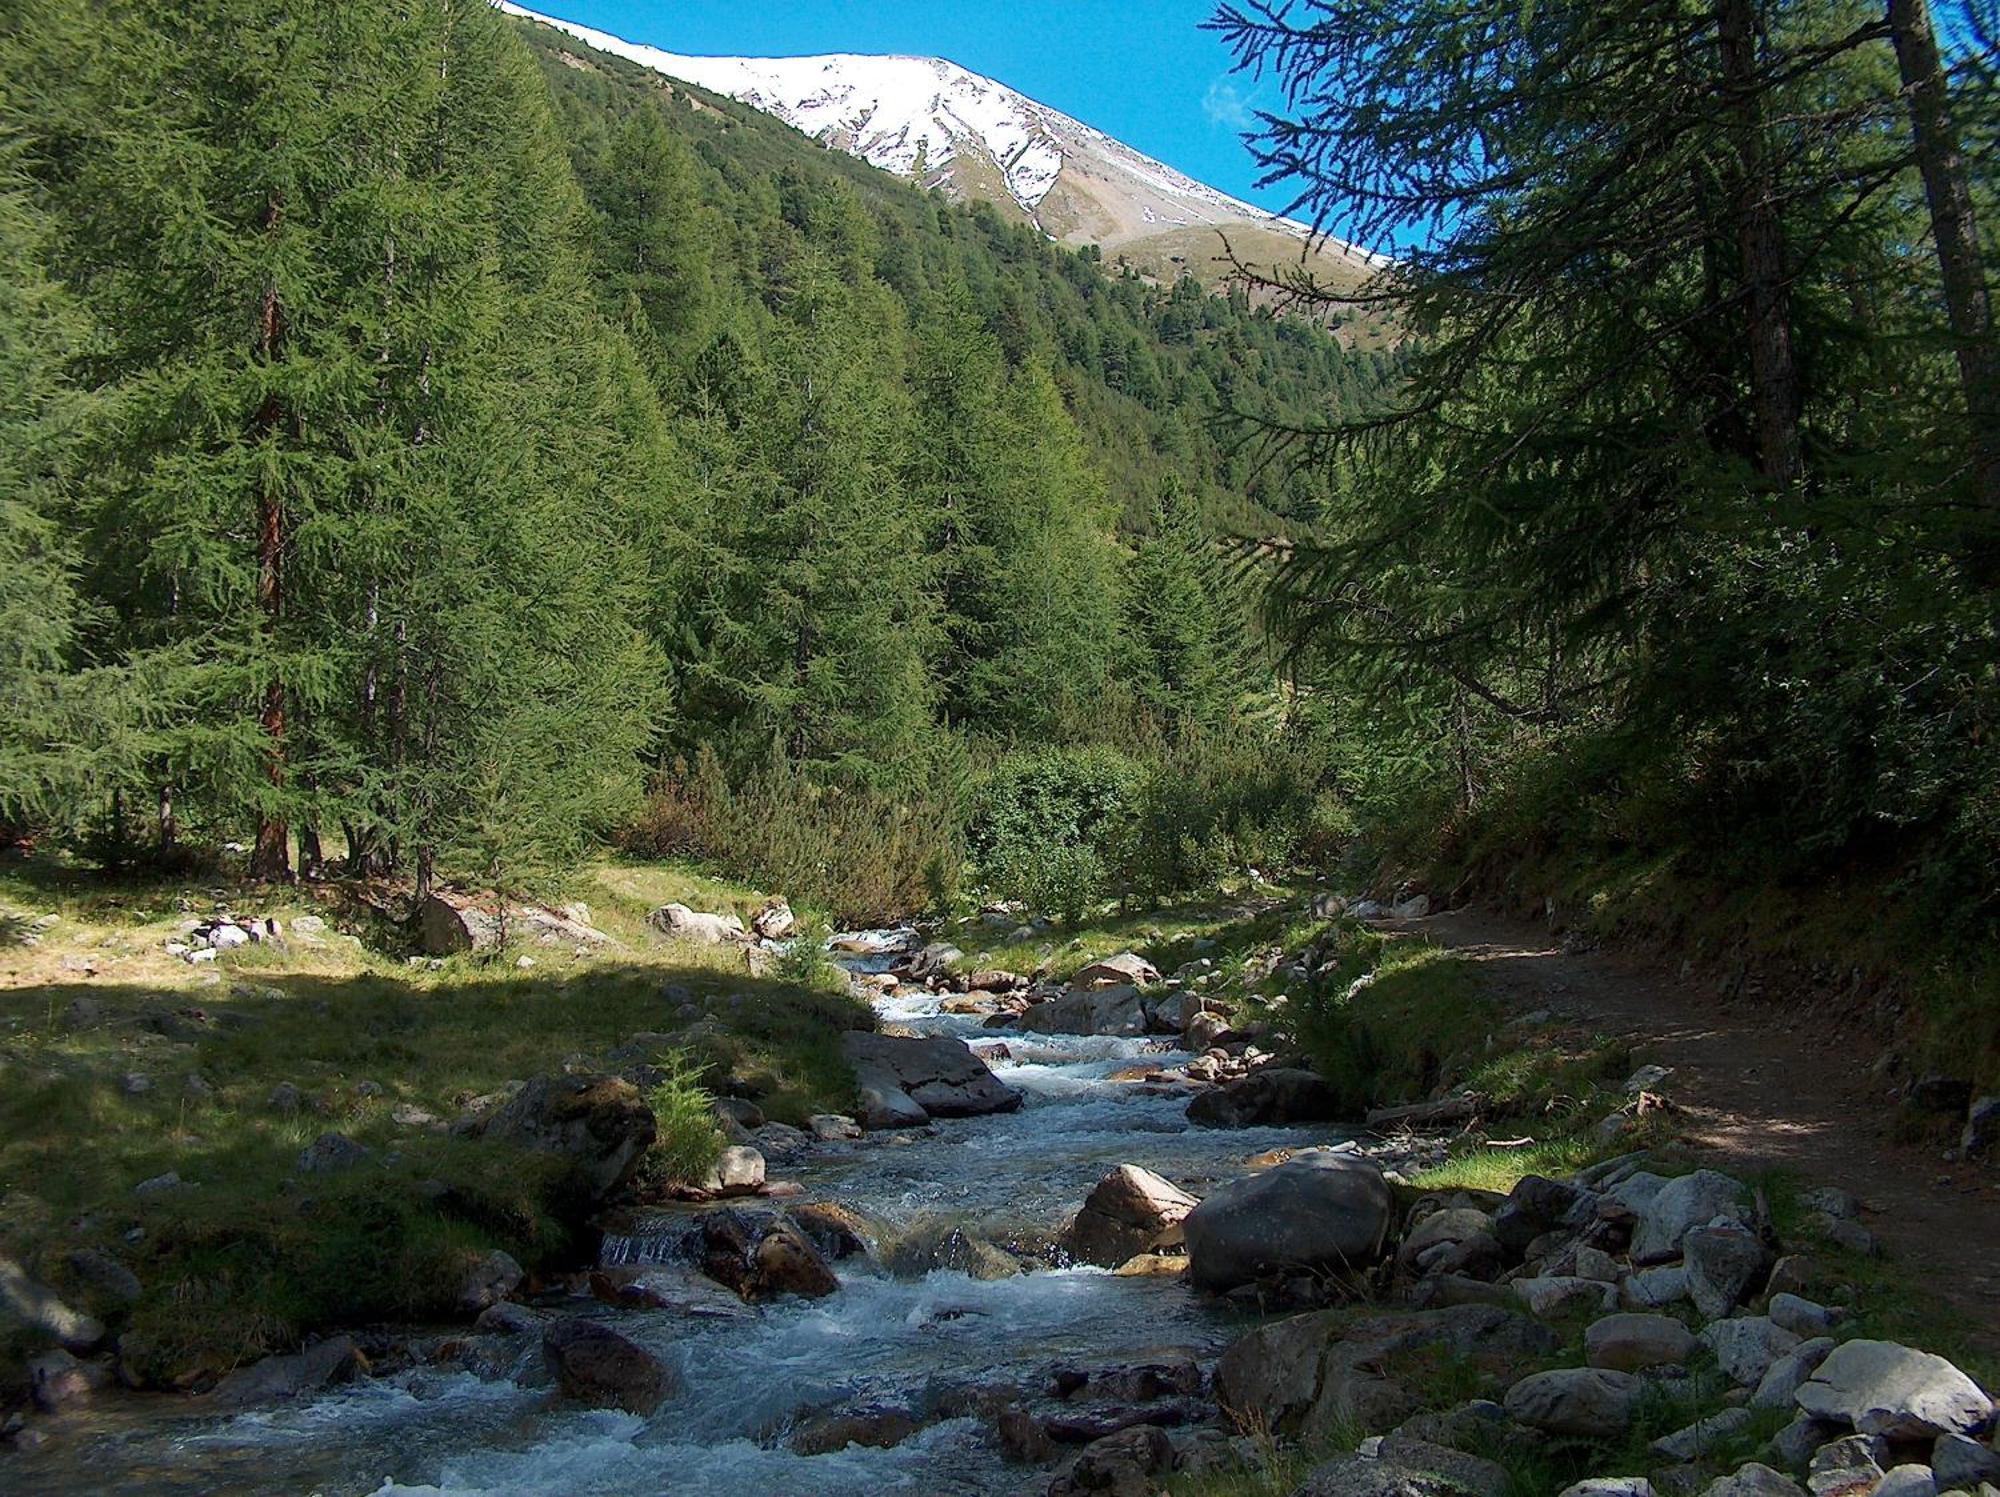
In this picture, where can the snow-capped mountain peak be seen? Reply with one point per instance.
(946, 126)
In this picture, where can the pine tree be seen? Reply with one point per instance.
(1187, 625)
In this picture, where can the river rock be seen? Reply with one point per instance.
(1697, 1439)
(329, 1363)
(1682, 1205)
(1723, 1263)
(775, 921)
(1632, 1343)
(597, 1365)
(1130, 1211)
(1119, 1465)
(1270, 1098)
(949, 1248)
(684, 924)
(760, 1254)
(1884, 1389)
(1962, 1464)
(940, 1074)
(872, 1426)
(738, 1171)
(1982, 1126)
(1112, 971)
(1589, 1402)
(56, 1379)
(1781, 1382)
(1754, 1480)
(600, 1124)
(1609, 1486)
(1318, 1211)
(487, 1281)
(40, 1314)
(1795, 1443)
(1112, 1010)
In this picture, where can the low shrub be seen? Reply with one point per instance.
(686, 1140)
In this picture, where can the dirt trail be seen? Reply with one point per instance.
(1765, 1086)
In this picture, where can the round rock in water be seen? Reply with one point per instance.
(1319, 1211)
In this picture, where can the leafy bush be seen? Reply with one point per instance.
(686, 1141)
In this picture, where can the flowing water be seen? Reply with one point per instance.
(746, 1377)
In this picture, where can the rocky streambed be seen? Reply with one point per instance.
(922, 1307)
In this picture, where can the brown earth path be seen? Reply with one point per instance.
(1765, 1085)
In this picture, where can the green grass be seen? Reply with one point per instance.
(251, 1255)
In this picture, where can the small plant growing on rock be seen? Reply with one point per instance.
(686, 1140)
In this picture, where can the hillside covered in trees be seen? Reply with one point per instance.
(424, 433)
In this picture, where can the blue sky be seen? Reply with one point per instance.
(1139, 69)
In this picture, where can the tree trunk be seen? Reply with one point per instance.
(312, 861)
(1774, 378)
(169, 826)
(271, 858)
(1968, 304)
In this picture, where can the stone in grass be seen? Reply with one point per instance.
(1745, 1348)
(1702, 1436)
(1803, 1317)
(1783, 1379)
(1632, 1343)
(1682, 1205)
(1588, 1402)
(1962, 1464)
(1795, 1443)
(1652, 1288)
(331, 1153)
(1909, 1480)
(36, 1310)
(488, 1280)
(1609, 1486)
(1847, 1466)
(1722, 1264)
(1754, 1480)
(1558, 1294)
(1884, 1389)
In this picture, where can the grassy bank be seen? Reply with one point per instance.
(121, 1065)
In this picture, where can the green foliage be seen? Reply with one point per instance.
(687, 1141)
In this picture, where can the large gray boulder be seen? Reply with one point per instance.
(1272, 1097)
(1318, 1211)
(600, 1124)
(1119, 1010)
(1884, 1389)
(1130, 1211)
(1681, 1205)
(1589, 1402)
(939, 1074)
(683, 924)
(36, 1310)
(1318, 1375)
(1127, 968)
